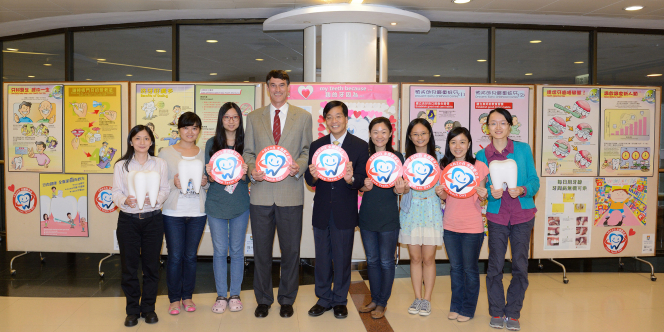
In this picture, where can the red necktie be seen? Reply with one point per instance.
(276, 129)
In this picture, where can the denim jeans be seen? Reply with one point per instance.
(463, 251)
(228, 233)
(380, 248)
(183, 235)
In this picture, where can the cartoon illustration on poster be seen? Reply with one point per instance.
(93, 134)
(620, 201)
(628, 140)
(570, 139)
(34, 125)
(210, 98)
(441, 106)
(568, 213)
(63, 205)
(159, 106)
(484, 99)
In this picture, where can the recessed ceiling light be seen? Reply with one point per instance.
(130, 75)
(31, 76)
(654, 75)
(421, 80)
(461, 1)
(535, 41)
(436, 75)
(633, 8)
(161, 51)
(101, 59)
(246, 81)
(288, 70)
(12, 49)
(481, 60)
(47, 64)
(578, 62)
(393, 23)
(212, 41)
(529, 74)
(259, 59)
(356, 2)
(213, 74)
(87, 79)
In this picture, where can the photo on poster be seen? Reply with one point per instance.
(570, 126)
(620, 201)
(34, 128)
(628, 138)
(441, 106)
(567, 215)
(63, 205)
(159, 107)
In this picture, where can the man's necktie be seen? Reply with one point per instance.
(335, 143)
(276, 129)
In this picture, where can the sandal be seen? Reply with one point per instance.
(189, 307)
(174, 310)
(220, 306)
(235, 304)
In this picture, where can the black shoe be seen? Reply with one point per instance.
(318, 310)
(340, 311)
(262, 310)
(286, 310)
(150, 317)
(620, 222)
(131, 320)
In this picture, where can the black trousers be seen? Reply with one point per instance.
(334, 252)
(288, 222)
(140, 241)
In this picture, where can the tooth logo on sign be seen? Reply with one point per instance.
(226, 166)
(330, 161)
(384, 168)
(104, 200)
(274, 161)
(24, 200)
(421, 171)
(460, 179)
(615, 240)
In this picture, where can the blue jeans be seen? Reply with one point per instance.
(380, 248)
(183, 235)
(225, 232)
(463, 251)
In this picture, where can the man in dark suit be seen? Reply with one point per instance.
(335, 213)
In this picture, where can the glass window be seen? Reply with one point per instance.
(542, 56)
(238, 52)
(142, 54)
(34, 59)
(629, 59)
(443, 55)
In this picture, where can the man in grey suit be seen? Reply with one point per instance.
(279, 204)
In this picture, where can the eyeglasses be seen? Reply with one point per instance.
(230, 118)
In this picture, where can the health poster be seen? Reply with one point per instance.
(620, 201)
(63, 205)
(485, 99)
(34, 127)
(568, 213)
(365, 102)
(93, 132)
(570, 135)
(628, 132)
(159, 107)
(441, 106)
(210, 98)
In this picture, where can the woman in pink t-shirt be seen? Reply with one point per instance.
(463, 228)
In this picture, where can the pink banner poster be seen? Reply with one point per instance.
(485, 99)
(441, 106)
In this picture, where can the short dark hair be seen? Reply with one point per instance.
(503, 112)
(278, 73)
(25, 103)
(41, 143)
(189, 119)
(335, 103)
(54, 188)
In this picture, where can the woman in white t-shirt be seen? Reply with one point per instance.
(184, 216)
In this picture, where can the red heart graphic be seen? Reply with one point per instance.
(11, 188)
(306, 93)
(321, 135)
(357, 114)
(631, 232)
(393, 119)
(321, 119)
(321, 127)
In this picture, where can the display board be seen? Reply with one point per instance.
(595, 205)
(442, 104)
(73, 192)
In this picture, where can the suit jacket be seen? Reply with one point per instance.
(339, 198)
(295, 137)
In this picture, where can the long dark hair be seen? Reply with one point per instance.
(386, 122)
(219, 142)
(410, 146)
(130, 148)
(449, 157)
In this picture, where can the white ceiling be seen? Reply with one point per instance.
(21, 16)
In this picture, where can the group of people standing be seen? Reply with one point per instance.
(419, 222)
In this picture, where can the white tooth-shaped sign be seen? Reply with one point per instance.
(141, 183)
(190, 169)
(503, 171)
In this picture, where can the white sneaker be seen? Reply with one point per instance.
(414, 308)
(425, 308)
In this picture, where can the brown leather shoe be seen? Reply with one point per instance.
(369, 307)
(378, 313)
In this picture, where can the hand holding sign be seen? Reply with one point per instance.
(226, 167)
(331, 163)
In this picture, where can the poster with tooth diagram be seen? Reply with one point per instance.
(569, 203)
(628, 132)
(570, 131)
(34, 126)
(63, 205)
(484, 99)
(441, 106)
(159, 107)
(93, 132)
(210, 98)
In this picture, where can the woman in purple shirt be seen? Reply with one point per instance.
(511, 216)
